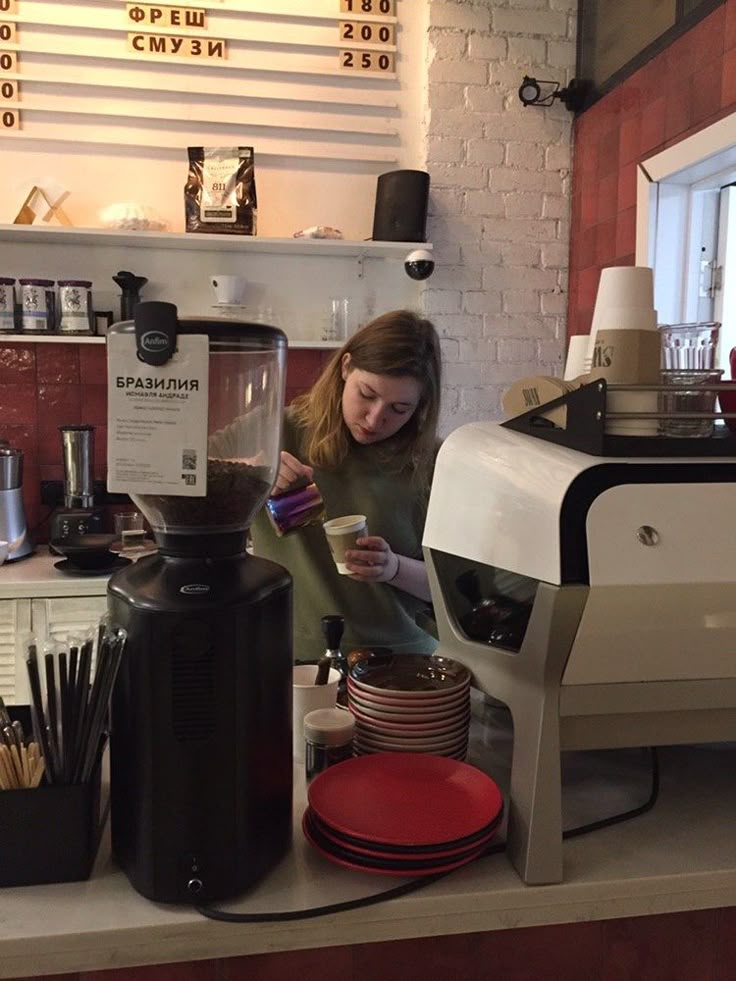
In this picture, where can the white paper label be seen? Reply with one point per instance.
(157, 419)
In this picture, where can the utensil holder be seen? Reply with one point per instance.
(50, 833)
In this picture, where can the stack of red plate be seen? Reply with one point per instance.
(402, 813)
(410, 703)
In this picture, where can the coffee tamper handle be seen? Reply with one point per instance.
(333, 627)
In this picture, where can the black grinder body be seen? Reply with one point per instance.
(201, 759)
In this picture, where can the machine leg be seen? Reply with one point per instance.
(535, 811)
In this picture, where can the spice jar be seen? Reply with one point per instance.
(38, 306)
(75, 307)
(7, 305)
(328, 739)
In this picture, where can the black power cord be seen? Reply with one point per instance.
(416, 884)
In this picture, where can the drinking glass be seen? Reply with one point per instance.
(687, 395)
(130, 529)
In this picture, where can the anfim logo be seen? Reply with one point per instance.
(154, 340)
(195, 589)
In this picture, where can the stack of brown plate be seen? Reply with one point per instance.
(402, 814)
(410, 703)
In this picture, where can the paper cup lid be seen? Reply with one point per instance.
(340, 526)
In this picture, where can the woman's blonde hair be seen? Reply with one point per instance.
(399, 343)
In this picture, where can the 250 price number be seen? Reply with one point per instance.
(368, 61)
(387, 8)
(363, 31)
(9, 119)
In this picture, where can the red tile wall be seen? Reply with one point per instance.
(44, 386)
(686, 87)
(691, 946)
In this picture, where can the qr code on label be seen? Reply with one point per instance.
(189, 479)
(189, 459)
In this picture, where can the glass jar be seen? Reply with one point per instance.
(75, 307)
(38, 306)
(328, 739)
(7, 305)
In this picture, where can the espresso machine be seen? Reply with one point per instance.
(609, 589)
(13, 529)
(201, 765)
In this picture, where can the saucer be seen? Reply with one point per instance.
(69, 569)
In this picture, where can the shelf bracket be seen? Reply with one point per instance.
(359, 263)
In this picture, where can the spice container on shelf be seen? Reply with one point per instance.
(75, 307)
(38, 306)
(7, 305)
(328, 739)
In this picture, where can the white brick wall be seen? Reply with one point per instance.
(499, 201)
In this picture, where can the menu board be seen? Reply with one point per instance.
(175, 69)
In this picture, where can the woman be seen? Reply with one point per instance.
(366, 433)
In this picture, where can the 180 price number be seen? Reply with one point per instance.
(368, 61)
(384, 8)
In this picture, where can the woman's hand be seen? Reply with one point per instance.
(291, 470)
(373, 561)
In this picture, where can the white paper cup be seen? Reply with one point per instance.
(342, 534)
(618, 318)
(306, 697)
(578, 360)
(626, 286)
(228, 289)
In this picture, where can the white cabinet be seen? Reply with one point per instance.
(60, 619)
(37, 600)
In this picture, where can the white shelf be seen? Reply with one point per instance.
(102, 237)
(50, 339)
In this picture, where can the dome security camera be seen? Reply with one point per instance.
(419, 264)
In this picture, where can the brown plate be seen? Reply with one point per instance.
(415, 675)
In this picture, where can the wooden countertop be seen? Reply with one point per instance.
(679, 856)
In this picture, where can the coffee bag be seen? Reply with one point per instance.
(220, 193)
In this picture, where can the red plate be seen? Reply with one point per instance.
(369, 866)
(405, 798)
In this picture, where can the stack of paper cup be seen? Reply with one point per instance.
(624, 346)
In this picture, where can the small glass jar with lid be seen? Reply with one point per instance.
(7, 305)
(37, 306)
(328, 739)
(75, 307)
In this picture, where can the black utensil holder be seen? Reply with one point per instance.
(50, 833)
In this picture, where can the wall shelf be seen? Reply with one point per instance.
(102, 237)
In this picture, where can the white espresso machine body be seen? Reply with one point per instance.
(603, 604)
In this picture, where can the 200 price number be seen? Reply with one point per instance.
(365, 32)
(386, 8)
(367, 61)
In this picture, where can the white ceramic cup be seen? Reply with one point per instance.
(228, 289)
(342, 534)
(307, 697)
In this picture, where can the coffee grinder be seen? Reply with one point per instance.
(13, 529)
(201, 764)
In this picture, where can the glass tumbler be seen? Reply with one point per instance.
(691, 347)
(689, 391)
